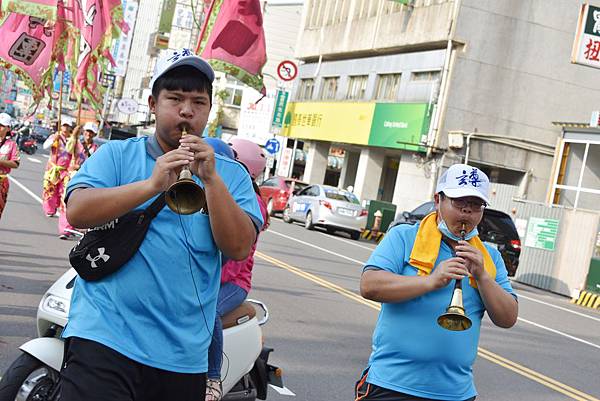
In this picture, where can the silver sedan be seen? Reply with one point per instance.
(328, 207)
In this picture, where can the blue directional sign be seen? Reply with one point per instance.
(272, 146)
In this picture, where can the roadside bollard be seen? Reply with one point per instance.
(377, 222)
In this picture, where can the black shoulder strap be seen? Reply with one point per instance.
(157, 205)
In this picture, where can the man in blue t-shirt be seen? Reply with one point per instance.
(142, 333)
(412, 273)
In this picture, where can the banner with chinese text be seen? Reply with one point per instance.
(586, 48)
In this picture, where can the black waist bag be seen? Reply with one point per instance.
(104, 249)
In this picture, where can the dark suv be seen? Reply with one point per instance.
(496, 228)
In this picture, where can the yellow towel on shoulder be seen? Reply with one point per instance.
(427, 247)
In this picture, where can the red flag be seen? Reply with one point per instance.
(233, 40)
(31, 46)
(96, 22)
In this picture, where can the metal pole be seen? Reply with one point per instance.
(60, 99)
(104, 113)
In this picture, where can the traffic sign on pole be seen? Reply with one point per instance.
(272, 146)
(287, 70)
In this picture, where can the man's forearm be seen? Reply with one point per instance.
(91, 207)
(232, 228)
(501, 306)
(384, 286)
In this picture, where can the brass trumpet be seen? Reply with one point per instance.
(185, 196)
(455, 318)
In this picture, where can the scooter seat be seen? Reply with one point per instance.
(239, 315)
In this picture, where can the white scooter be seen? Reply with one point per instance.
(34, 375)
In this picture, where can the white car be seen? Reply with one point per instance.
(329, 207)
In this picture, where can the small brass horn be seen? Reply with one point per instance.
(185, 196)
(455, 318)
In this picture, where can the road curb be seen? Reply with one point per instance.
(587, 299)
(372, 235)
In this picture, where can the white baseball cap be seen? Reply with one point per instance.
(179, 57)
(66, 120)
(462, 180)
(90, 126)
(5, 120)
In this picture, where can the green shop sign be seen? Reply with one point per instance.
(388, 125)
(400, 126)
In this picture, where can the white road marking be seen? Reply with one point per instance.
(559, 307)
(560, 333)
(347, 241)
(316, 247)
(24, 188)
(31, 159)
(46, 156)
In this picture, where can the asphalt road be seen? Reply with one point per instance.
(320, 327)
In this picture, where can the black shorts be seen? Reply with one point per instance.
(94, 372)
(364, 391)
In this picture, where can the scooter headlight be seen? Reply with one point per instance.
(57, 305)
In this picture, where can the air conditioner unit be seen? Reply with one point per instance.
(455, 140)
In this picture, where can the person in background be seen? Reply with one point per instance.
(80, 150)
(9, 157)
(412, 274)
(90, 130)
(57, 167)
(236, 276)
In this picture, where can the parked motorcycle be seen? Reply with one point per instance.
(28, 146)
(246, 372)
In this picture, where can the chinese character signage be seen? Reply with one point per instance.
(122, 45)
(542, 233)
(280, 105)
(586, 48)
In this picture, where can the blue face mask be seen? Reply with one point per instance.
(446, 231)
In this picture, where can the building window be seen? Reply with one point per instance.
(578, 185)
(329, 88)
(305, 92)
(357, 86)
(425, 76)
(234, 90)
(387, 86)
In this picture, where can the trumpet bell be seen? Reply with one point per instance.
(454, 319)
(185, 196)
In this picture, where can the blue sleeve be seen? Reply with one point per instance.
(501, 272)
(242, 191)
(98, 171)
(389, 254)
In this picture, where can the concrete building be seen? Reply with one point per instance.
(160, 24)
(406, 90)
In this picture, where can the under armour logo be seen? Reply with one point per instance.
(101, 255)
